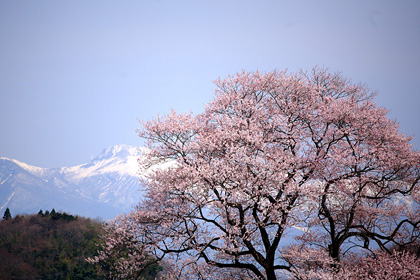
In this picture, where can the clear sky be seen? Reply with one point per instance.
(76, 75)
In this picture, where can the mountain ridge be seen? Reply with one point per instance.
(104, 187)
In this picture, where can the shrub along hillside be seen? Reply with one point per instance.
(50, 245)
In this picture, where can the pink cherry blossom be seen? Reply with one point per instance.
(271, 154)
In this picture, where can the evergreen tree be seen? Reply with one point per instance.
(7, 214)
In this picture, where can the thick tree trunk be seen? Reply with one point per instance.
(334, 251)
(271, 275)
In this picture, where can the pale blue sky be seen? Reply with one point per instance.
(76, 75)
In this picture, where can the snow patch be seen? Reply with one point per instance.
(8, 200)
(2, 182)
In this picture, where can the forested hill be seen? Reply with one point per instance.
(49, 245)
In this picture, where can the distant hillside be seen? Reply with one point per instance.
(52, 245)
(104, 187)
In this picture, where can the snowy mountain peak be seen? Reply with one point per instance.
(120, 151)
(121, 159)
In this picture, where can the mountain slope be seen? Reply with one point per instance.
(104, 187)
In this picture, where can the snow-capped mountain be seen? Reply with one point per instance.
(105, 187)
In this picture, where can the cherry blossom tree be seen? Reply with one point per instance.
(273, 154)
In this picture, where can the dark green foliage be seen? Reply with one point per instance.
(7, 215)
(53, 246)
(151, 271)
(62, 216)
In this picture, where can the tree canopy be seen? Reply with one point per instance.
(306, 155)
